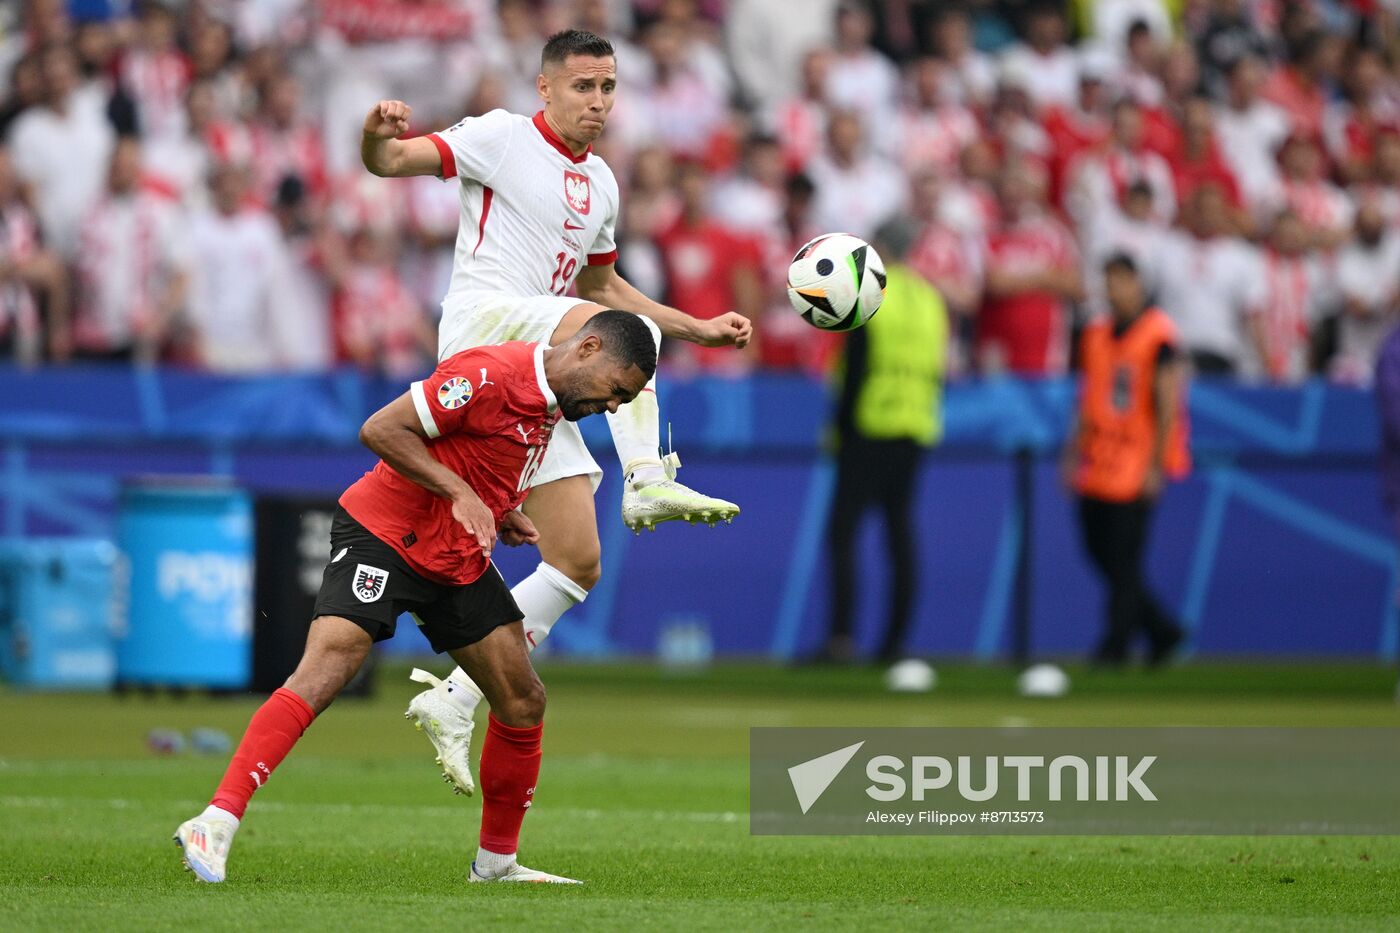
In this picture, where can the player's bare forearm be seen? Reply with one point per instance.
(388, 156)
(602, 284)
(395, 434)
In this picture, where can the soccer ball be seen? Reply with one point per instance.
(836, 282)
(910, 676)
(1043, 680)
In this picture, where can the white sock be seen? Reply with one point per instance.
(493, 864)
(219, 813)
(636, 431)
(543, 596)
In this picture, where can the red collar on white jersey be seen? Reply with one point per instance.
(553, 139)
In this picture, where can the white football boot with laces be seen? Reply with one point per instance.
(667, 500)
(518, 872)
(205, 841)
(447, 727)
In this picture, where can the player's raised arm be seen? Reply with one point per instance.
(603, 285)
(396, 433)
(384, 154)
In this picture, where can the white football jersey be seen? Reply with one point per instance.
(532, 212)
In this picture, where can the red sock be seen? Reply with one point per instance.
(510, 765)
(271, 733)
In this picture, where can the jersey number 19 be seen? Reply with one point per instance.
(564, 266)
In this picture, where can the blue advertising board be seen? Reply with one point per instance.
(190, 548)
(1276, 545)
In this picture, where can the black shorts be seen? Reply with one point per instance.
(368, 583)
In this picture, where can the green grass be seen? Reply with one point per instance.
(643, 794)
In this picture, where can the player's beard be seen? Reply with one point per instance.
(572, 401)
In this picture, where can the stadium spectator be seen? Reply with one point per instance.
(61, 149)
(681, 109)
(1227, 37)
(860, 78)
(768, 40)
(1013, 123)
(1209, 281)
(888, 414)
(1382, 186)
(1032, 271)
(34, 292)
(155, 73)
(1128, 439)
(181, 164)
(1323, 208)
(799, 120)
(1044, 57)
(1133, 231)
(1296, 291)
(1100, 177)
(932, 130)
(378, 323)
(1078, 127)
(1250, 131)
(1352, 125)
(212, 60)
(751, 199)
(704, 46)
(788, 342)
(857, 190)
(1140, 75)
(710, 269)
(133, 267)
(284, 143)
(25, 90)
(1368, 277)
(312, 247)
(974, 74)
(238, 270)
(941, 253)
(1300, 85)
(1198, 160)
(431, 215)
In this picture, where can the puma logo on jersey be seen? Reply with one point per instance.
(524, 432)
(576, 190)
(484, 381)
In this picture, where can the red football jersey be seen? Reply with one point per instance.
(488, 414)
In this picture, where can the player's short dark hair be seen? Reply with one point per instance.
(626, 338)
(574, 42)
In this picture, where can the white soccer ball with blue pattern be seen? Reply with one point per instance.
(836, 282)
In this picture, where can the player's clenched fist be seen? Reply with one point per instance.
(388, 119)
(730, 328)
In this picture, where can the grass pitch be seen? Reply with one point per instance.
(643, 795)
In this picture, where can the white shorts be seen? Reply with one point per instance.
(482, 319)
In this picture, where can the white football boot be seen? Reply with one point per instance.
(518, 872)
(205, 841)
(447, 727)
(667, 500)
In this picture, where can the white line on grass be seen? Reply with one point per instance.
(587, 813)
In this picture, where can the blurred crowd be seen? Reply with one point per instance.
(180, 180)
